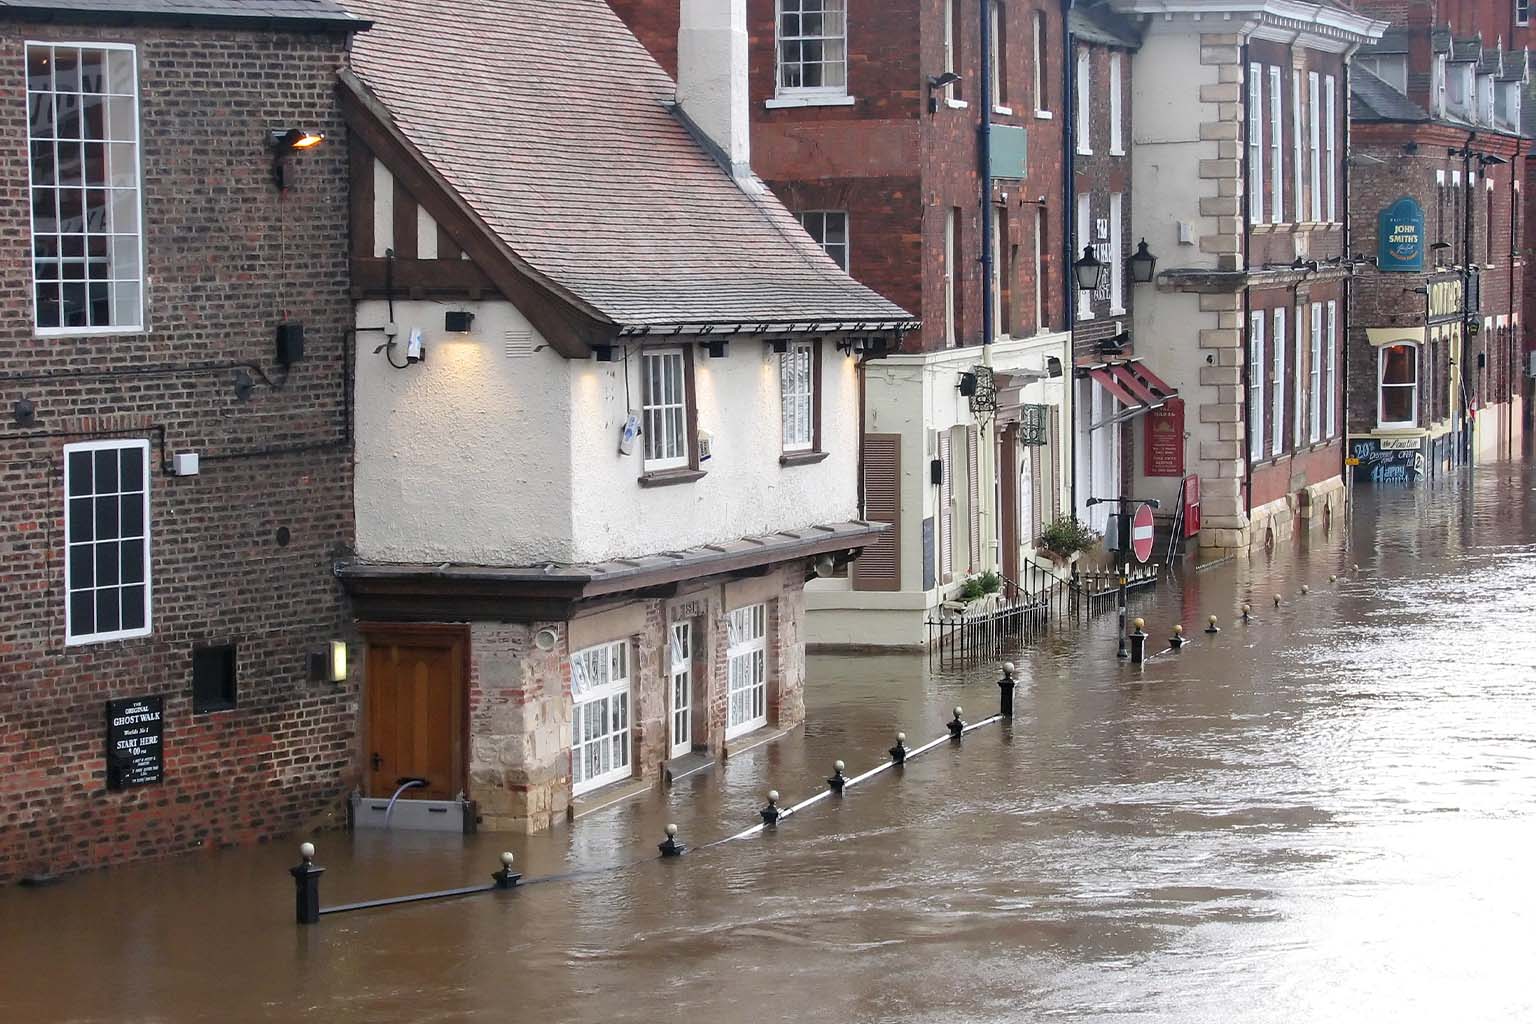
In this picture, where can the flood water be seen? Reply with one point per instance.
(1326, 815)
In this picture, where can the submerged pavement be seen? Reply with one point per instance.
(1327, 814)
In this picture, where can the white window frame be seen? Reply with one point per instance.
(797, 396)
(1255, 123)
(600, 675)
(658, 428)
(999, 58)
(949, 53)
(1314, 142)
(999, 329)
(808, 93)
(133, 241)
(1277, 349)
(1315, 421)
(746, 670)
(71, 546)
(1040, 324)
(1296, 163)
(1116, 255)
(1381, 365)
(1298, 384)
(946, 543)
(951, 329)
(1276, 149)
(1084, 88)
(1256, 386)
(1116, 128)
(1522, 12)
(680, 689)
(1330, 152)
(1039, 31)
(1330, 357)
(817, 223)
(1084, 238)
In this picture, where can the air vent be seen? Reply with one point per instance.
(519, 344)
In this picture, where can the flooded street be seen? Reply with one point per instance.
(1326, 815)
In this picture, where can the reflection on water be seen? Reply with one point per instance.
(1324, 815)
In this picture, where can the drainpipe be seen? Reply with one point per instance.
(1342, 317)
(1509, 316)
(1069, 227)
(988, 441)
(1466, 287)
(1248, 370)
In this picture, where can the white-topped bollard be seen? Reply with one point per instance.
(506, 878)
(771, 813)
(306, 886)
(670, 847)
(837, 781)
(957, 724)
(899, 751)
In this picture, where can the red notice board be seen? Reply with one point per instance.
(1191, 506)
(1165, 439)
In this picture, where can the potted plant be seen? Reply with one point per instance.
(1064, 539)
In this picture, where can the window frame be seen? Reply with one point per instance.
(1039, 254)
(1084, 89)
(1256, 364)
(752, 649)
(1381, 365)
(1297, 171)
(1084, 238)
(1116, 253)
(999, 55)
(827, 247)
(1314, 145)
(61, 331)
(1116, 112)
(1315, 376)
(680, 682)
(1276, 148)
(807, 93)
(1277, 385)
(811, 352)
(951, 268)
(688, 460)
(607, 691)
(119, 445)
(1522, 12)
(1330, 369)
(1255, 125)
(1042, 55)
(1330, 152)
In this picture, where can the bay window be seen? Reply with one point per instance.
(1397, 402)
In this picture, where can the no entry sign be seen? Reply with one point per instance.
(1141, 532)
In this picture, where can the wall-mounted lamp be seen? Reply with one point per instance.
(458, 321)
(967, 384)
(1491, 160)
(1143, 263)
(1088, 270)
(1437, 246)
(24, 413)
(937, 82)
(284, 141)
(1053, 366)
(1115, 345)
(329, 665)
(716, 347)
(244, 385)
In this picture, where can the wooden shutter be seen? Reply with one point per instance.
(973, 471)
(879, 566)
(946, 541)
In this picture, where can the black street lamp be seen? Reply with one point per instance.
(1143, 263)
(1123, 543)
(1089, 270)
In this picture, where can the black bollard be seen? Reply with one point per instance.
(1177, 639)
(771, 812)
(670, 847)
(957, 725)
(306, 886)
(899, 751)
(506, 878)
(836, 782)
(1139, 642)
(1005, 687)
(1212, 628)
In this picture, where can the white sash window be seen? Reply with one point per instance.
(747, 656)
(600, 717)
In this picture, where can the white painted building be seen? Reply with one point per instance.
(606, 407)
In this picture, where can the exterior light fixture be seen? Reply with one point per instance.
(1439, 245)
(1491, 160)
(24, 412)
(458, 321)
(1088, 270)
(937, 82)
(1114, 345)
(967, 384)
(285, 141)
(1143, 264)
(330, 664)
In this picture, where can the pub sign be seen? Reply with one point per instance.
(1165, 439)
(1400, 236)
(135, 729)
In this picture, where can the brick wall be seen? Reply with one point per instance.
(1101, 175)
(227, 258)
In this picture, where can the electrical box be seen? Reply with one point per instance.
(290, 343)
(184, 464)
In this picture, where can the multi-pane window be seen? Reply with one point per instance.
(1116, 270)
(600, 716)
(1084, 87)
(1330, 383)
(1314, 144)
(999, 54)
(951, 268)
(1255, 144)
(1116, 129)
(1522, 12)
(813, 47)
(106, 523)
(1042, 54)
(1277, 382)
(1040, 324)
(1296, 163)
(830, 230)
(1299, 381)
(1330, 135)
(797, 393)
(1256, 387)
(664, 408)
(747, 672)
(1398, 395)
(1316, 376)
(83, 131)
(1276, 164)
(680, 650)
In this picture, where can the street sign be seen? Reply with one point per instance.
(135, 728)
(1141, 532)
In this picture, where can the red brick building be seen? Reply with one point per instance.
(162, 604)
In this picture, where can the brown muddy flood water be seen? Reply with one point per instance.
(1327, 815)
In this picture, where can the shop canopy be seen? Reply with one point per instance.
(1129, 382)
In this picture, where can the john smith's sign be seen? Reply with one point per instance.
(1400, 234)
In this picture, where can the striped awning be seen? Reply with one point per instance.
(1129, 382)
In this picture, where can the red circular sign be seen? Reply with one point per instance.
(1141, 532)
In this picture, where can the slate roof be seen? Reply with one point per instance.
(554, 124)
(1393, 40)
(312, 12)
(1375, 100)
(1098, 23)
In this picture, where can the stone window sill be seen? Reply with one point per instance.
(668, 477)
(1000, 109)
(954, 104)
(1043, 115)
(809, 100)
(807, 458)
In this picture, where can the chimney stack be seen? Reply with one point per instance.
(712, 77)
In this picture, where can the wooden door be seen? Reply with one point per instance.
(416, 710)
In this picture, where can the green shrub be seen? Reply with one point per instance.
(1067, 536)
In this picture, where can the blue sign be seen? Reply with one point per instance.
(1400, 236)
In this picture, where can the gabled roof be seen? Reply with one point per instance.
(1372, 99)
(555, 127)
(324, 14)
(1393, 40)
(1097, 22)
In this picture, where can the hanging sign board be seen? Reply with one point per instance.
(1400, 237)
(1165, 439)
(135, 728)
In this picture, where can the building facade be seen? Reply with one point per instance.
(604, 438)
(865, 121)
(1435, 333)
(1239, 165)
(177, 480)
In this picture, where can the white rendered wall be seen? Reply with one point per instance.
(1167, 148)
(483, 457)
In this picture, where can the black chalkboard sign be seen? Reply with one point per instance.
(135, 730)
